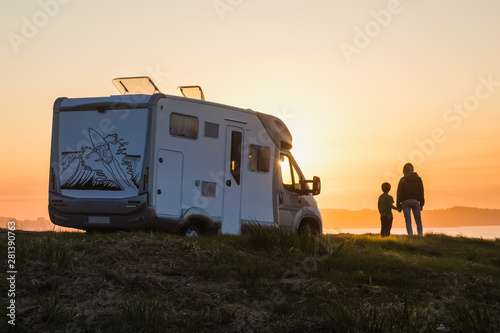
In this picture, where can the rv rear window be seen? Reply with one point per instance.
(259, 158)
(183, 126)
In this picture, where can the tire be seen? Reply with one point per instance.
(308, 228)
(194, 230)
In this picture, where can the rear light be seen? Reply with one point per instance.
(52, 178)
(58, 203)
(133, 204)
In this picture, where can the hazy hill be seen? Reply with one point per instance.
(451, 217)
(40, 224)
(341, 218)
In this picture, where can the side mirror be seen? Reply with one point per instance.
(316, 186)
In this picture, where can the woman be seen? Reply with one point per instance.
(410, 197)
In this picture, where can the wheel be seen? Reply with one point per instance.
(193, 230)
(308, 228)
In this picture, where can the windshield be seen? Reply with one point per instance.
(291, 175)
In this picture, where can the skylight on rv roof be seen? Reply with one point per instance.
(135, 85)
(191, 92)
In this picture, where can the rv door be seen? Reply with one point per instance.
(231, 211)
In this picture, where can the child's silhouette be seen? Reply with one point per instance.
(385, 206)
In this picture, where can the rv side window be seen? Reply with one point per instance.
(289, 174)
(183, 126)
(259, 158)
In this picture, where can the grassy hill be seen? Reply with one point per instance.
(261, 281)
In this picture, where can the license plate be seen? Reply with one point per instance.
(98, 219)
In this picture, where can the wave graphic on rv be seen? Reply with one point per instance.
(97, 167)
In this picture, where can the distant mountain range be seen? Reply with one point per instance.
(450, 217)
(40, 224)
(343, 219)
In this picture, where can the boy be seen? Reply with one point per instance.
(385, 204)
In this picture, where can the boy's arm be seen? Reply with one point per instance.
(394, 207)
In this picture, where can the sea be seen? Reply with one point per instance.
(484, 232)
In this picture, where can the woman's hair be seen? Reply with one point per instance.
(408, 169)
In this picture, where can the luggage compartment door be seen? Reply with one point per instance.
(169, 172)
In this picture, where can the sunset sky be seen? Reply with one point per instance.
(364, 86)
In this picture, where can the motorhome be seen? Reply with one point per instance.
(144, 159)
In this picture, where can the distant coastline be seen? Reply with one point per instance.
(438, 218)
(481, 231)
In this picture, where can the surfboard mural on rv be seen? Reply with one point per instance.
(106, 155)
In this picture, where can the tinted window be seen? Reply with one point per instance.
(235, 167)
(259, 158)
(183, 126)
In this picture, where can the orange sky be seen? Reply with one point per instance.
(364, 86)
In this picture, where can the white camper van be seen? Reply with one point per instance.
(144, 159)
